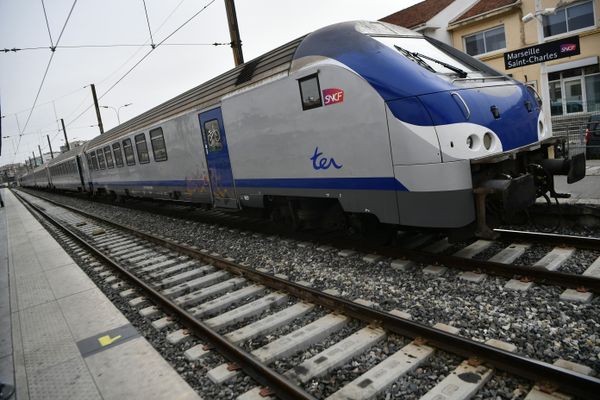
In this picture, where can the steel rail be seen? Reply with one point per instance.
(571, 382)
(581, 242)
(282, 387)
(529, 272)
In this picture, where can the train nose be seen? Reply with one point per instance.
(507, 112)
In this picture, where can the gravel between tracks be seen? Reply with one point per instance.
(540, 325)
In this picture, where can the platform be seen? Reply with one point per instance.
(584, 192)
(60, 337)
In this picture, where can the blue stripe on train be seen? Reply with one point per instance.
(381, 183)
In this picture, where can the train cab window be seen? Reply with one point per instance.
(142, 148)
(310, 92)
(109, 157)
(118, 155)
(101, 161)
(128, 150)
(157, 140)
(212, 136)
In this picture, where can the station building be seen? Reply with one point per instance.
(488, 29)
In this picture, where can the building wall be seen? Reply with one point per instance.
(440, 21)
(519, 34)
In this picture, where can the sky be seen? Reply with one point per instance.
(185, 60)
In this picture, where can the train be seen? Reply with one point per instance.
(355, 124)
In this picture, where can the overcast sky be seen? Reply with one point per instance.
(167, 72)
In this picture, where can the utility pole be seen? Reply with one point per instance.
(50, 145)
(234, 33)
(62, 121)
(34, 160)
(97, 109)
(544, 86)
(41, 157)
(30, 164)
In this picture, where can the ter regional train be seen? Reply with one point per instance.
(353, 123)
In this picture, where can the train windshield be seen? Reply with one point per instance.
(437, 57)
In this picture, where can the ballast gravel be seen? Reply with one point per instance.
(541, 326)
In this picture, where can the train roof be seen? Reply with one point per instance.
(263, 67)
(66, 155)
(276, 62)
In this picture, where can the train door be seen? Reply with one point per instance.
(217, 158)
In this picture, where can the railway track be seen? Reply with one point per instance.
(430, 253)
(189, 293)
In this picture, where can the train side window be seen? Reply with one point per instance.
(310, 92)
(94, 161)
(118, 155)
(109, 157)
(128, 149)
(142, 148)
(101, 161)
(157, 140)
(212, 136)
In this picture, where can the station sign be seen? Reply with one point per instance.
(547, 51)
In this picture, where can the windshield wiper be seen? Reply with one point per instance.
(414, 57)
(418, 57)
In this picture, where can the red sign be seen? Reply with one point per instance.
(333, 96)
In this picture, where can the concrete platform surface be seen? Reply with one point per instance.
(60, 337)
(587, 190)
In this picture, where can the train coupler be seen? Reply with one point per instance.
(573, 167)
(515, 194)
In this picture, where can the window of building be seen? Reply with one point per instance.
(310, 92)
(157, 140)
(574, 90)
(486, 41)
(118, 155)
(142, 148)
(128, 150)
(109, 157)
(571, 18)
(101, 161)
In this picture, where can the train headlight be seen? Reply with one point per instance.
(487, 140)
(541, 130)
(473, 142)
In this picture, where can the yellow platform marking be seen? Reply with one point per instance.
(107, 340)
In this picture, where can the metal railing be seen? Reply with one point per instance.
(580, 133)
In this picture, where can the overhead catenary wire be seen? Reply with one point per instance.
(148, 22)
(47, 24)
(131, 57)
(111, 45)
(143, 58)
(45, 74)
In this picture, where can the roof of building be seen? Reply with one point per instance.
(417, 14)
(482, 7)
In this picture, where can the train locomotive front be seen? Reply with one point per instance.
(463, 136)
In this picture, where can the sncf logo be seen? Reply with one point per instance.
(566, 47)
(333, 96)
